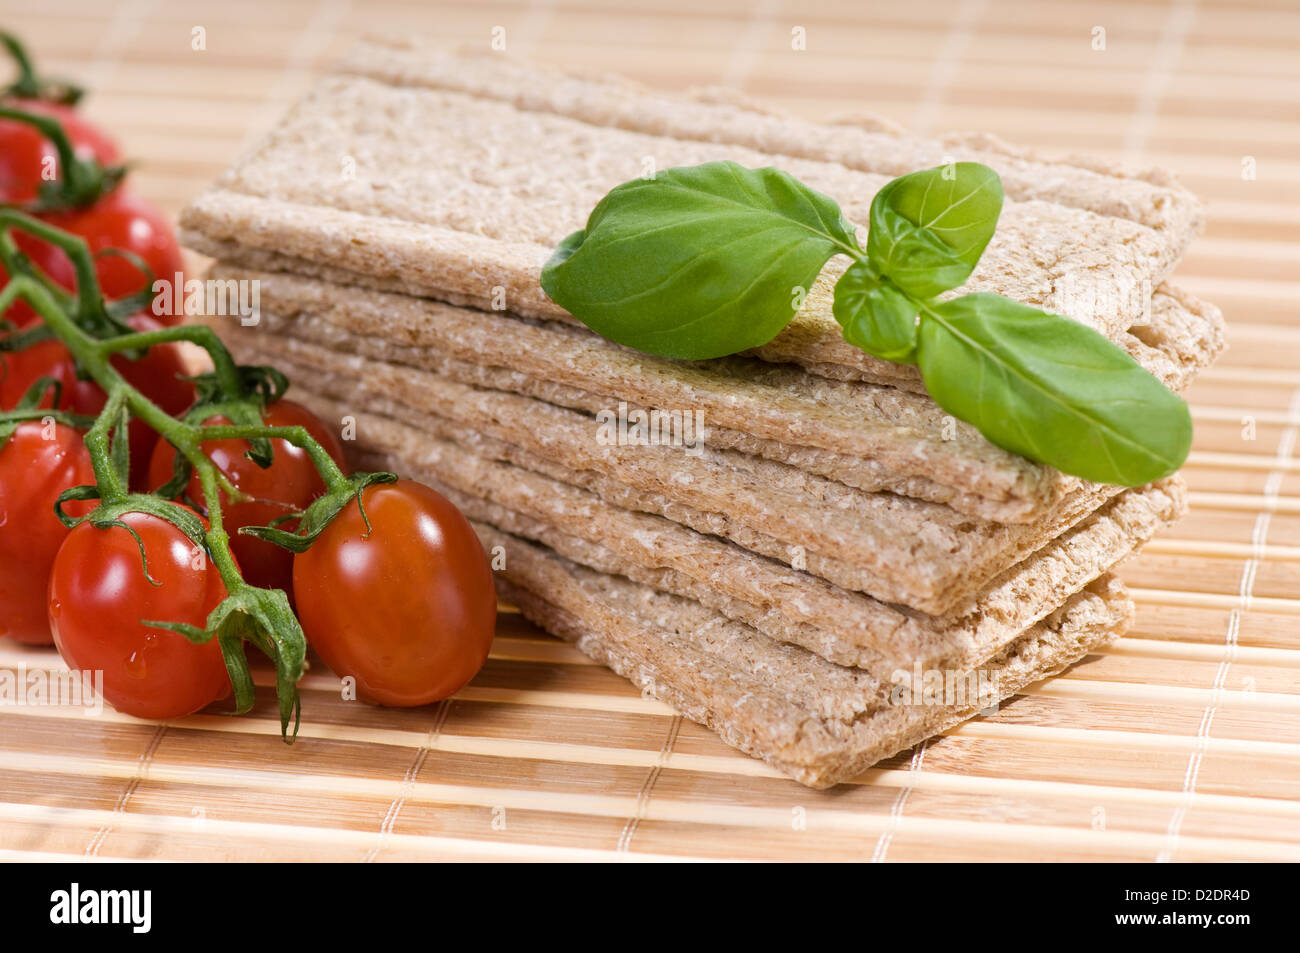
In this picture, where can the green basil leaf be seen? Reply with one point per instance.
(698, 262)
(875, 316)
(929, 228)
(1051, 389)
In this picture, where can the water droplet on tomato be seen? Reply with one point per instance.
(136, 665)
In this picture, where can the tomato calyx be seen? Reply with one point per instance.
(30, 85)
(82, 180)
(110, 512)
(265, 383)
(244, 404)
(242, 398)
(244, 412)
(320, 514)
(264, 618)
(241, 395)
(247, 614)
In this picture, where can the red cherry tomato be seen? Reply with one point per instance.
(50, 260)
(408, 608)
(119, 221)
(28, 159)
(123, 221)
(156, 375)
(98, 595)
(37, 463)
(19, 370)
(288, 485)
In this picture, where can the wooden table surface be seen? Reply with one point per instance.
(1182, 742)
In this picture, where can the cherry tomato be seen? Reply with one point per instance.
(19, 370)
(156, 375)
(288, 485)
(50, 260)
(28, 159)
(119, 220)
(37, 463)
(98, 595)
(124, 221)
(408, 607)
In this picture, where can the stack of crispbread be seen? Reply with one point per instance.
(834, 534)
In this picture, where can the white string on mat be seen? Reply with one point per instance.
(311, 41)
(643, 798)
(1246, 594)
(141, 773)
(896, 811)
(408, 781)
(525, 37)
(749, 44)
(945, 65)
(1169, 49)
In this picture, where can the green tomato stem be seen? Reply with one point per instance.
(90, 311)
(112, 489)
(335, 479)
(223, 363)
(28, 84)
(217, 538)
(93, 356)
(15, 262)
(93, 337)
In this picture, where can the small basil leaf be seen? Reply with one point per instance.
(875, 316)
(1051, 389)
(698, 262)
(929, 228)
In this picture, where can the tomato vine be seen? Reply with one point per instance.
(94, 334)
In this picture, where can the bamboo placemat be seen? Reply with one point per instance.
(1181, 743)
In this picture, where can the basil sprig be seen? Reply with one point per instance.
(714, 259)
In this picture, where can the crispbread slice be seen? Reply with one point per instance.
(786, 604)
(352, 181)
(867, 436)
(815, 721)
(864, 142)
(923, 555)
(898, 550)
